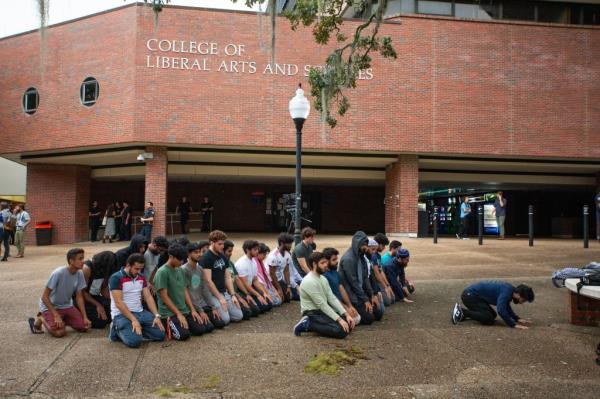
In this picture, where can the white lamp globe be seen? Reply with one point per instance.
(299, 105)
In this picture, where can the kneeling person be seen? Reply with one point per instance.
(479, 298)
(322, 312)
(56, 305)
(131, 323)
(174, 302)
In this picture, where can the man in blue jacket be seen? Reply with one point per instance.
(479, 299)
(395, 272)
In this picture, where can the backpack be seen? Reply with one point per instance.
(559, 276)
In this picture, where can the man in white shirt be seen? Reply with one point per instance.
(23, 219)
(246, 269)
(280, 265)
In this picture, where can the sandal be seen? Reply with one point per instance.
(31, 322)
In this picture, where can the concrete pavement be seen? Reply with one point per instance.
(414, 352)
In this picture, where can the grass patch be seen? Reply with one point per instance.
(329, 363)
(168, 392)
(212, 382)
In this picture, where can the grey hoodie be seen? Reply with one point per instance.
(353, 271)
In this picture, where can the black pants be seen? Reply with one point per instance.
(323, 325)
(206, 221)
(94, 227)
(5, 240)
(92, 312)
(365, 317)
(183, 222)
(179, 333)
(478, 309)
(263, 308)
(464, 227)
(125, 233)
(286, 298)
(217, 323)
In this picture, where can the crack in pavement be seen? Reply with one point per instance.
(44, 374)
(138, 364)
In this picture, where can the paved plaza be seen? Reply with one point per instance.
(414, 352)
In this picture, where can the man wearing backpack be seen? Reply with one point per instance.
(479, 299)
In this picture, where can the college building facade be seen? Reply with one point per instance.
(470, 104)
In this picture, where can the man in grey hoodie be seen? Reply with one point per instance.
(354, 275)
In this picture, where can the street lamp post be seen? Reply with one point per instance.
(299, 109)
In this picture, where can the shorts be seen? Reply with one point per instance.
(71, 317)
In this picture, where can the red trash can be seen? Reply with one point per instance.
(43, 233)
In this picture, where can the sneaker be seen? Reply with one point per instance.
(112, 335)
(301, 326)
(457, 236)
(466, 238)
(457, 314)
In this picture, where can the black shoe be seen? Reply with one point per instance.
(3, 260)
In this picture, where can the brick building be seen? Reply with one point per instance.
(469, 106)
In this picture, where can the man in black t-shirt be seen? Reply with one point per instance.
(126, 219)
(302, 251)
(94, 215)
(219, 280)
(207, 210)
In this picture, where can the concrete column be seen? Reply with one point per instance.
(156, 188)
(61, 195)
(401, 196)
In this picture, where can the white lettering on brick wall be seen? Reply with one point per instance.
(212, 57)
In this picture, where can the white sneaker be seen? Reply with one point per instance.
(466, 238)
(457, 314)
(457, 236)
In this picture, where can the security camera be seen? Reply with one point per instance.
(141, 158)
(144, 156)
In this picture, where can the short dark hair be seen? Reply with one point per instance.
(308, 232)
(250, 244)
(285, 238)
(329, 252)
(381, 239)
(263, 248)
(161, 241)
(183, 241)
(178, 252)
(314, 258)
(395, 244)
(193, 246)
(228, 244)
(104, 263)
(203, 243)
(73, 252)
(525, 292)
(151, 203)
(135, 258)
(217, 235)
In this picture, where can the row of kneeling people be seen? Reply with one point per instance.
(161, 289)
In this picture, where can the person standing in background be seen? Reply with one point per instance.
(207, 209)
(95, 222)
(597, 203)
(465, 212)
(118, 219)
(6, 227)
(109, 228)
(125, 232)
(23, 220)
(500, 212)
(183, 210)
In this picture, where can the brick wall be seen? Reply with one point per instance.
(458, 87)
(61, 195)
(401, 196)
(156, 187)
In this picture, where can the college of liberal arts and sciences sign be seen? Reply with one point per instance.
(215, 57)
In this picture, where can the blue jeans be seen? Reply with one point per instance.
(146, 231)
(124, 329)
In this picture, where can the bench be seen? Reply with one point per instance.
(588, 311)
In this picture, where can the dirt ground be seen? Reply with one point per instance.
(415, 352)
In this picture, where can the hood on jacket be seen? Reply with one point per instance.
(136, 241)
(359, 239)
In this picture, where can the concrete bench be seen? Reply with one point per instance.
(588, 313)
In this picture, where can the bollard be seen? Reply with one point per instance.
(530, 212)
(586, 226)
(435, 224)
(480, 224)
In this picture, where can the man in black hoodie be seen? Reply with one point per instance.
(354, 275)
(137, 245)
